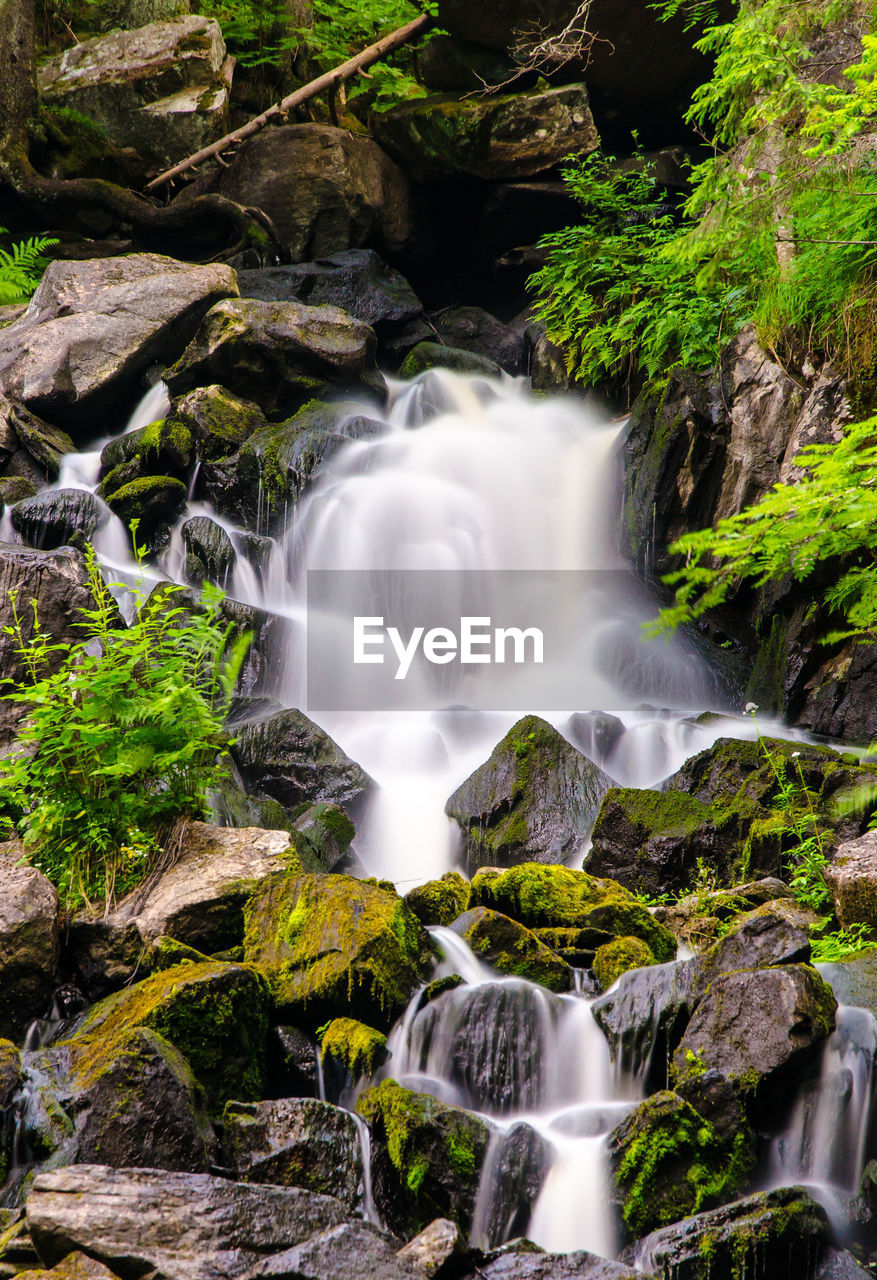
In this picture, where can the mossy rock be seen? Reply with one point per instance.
(512, 949)
(215, 1014)
(427, 1157)
(439, 902)
(157, 449)
(166, 953)
(153, 500)
(433, 355)
(353, 1047)
(10, 1075)
(652, 840)
(15, 489)
(618, 956)
(219, 421)
(331, 946)
(668, 1163)
(542, 896)
(633, 920)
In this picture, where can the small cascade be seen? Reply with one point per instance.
(369, 1209)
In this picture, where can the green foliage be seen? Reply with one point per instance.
(21, 268)
(121, 738)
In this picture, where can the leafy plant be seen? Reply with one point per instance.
(123, 736)
(22, 267)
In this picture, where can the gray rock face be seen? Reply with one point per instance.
(161, 89)
(292, 760)
(475, 329)
(512, 135)
(759, 939)
(652, 841)
(534, 800)
(852, 879)
(526, 1262)
(210, 555)
(51, 520)
(29, 448)
(352, 1250)
(296, 1142)
(29, 946)
(185, 1226)
(277, 353)
(200, 900)
(104, 955)
(324, 189)
(645, 1015)
(775, 1233)
(433, 1246)
(515, 1167)
(838, 1264)
(434, 355)
(218, 421)
(94, 327)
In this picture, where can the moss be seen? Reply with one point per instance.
(359, 1049)
(540, 895)
(432, 355)
(165, 953)
(660, 813)
(439, 902)
(633, 920)
(440, 986)
(513, 950)
(617, 957)
(147, 498)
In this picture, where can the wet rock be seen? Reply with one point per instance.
(433, 1247)
(651, 841)
(331, 946)
(535, 799)
(614, 958)
(440, 901)
(838, 1264)
(32, 448)
(10, 1078)
(295, 1142)
(93, 328)
(56, 518)
(278, 354)
(854, 981)
(297, 1066)
(351, 1250)
(351, 1051)
(474, 329)
(161, 89)
(15, 489)
(667, 1163)
(292, 760)
(29, 947)
(215, 1014)
(324, 189)
(511, 135)
(218, 421)
(200, 899)
(184, 1226)
(852, 878)
(102, 954)
(153, 501)
(758, 939)
(543, 896)
(434, 355)
(777, 1233)
(515, 1168)
(426, 1157)
(321, 838)
(523, 1261)
(162, 448)
(756, 1027)
(595, 734)
(210, 556)
(512, 949)
(644, 1018)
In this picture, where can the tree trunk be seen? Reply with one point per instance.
(206, 226)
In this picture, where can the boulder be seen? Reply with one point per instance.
(852, 878)
(30, 449)
(614, 958)
(515, 1168)
(426, 1157)
(521, 1260)
(511, 135)
(350, 1251)
(512, 949)
(854, 981)
(667, 1163)
(218, 421)
(535, 799)
(773, 1233)
(839, 1264)
(433, 1247)
(595, 733)
(101, 954)
(644, 1018)
(10, 1078)
(15, 489)
(93, 328)
(278, 354)
(295, 1142)
(160, 449)
(332, 946)
(154, 502)
(440, 901)
(474, 329)
(210, 555)
(291, 759)
(756, 940)
(161, 89)
(29, 947)
(200, 899)
(651, 841)
(58, 517)
(435, 355)
(324, 189)
(295, 1062)
(182, 1226)
(215, 1014)
(351, 1051)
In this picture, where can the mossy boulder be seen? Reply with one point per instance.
(544, 896)
(351, 1049)
(161, 448)
(534, 800)
(427, 1157)
(651, 841)
(512, 949)
(331, 946)
(434, 355)
(166, 953)
(218, 421)
(155, 501)
(215, 1014)
(668, 1162)
(440, 901)
(617, 957)
(321, 836)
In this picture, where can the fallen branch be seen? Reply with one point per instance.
(329, 81)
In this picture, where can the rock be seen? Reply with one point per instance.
(595, 734)
(776, 1233)
(473, 329)
(76, 1266)
(757, 1026)
(644, 1018)
(210, 556)
(838, 1264)
(218, 421)
(433, 1247)
(515, 1167)
(356, 280)
(161, 89)
(614, 958)
(651, 841)
(352, 1251)
(298, 1062)
(426, 1157)
(162, 448)
(10, 1078)
(434, 355)
(33, 446)
(440, 901)
(215, 1014)
(29, 948)
(321, 837)
(351, 1051)
(854, 981)
(324, 189)
(200, 899)
(668, 1163)
(852, 878)
(445, 64)
(292, 760)
(331, 946)
(15, 489)
(93, 328)
(102, 954)
(278, 354)
(511, 135)
(185, 1226)
(535, 799)
(58, 517)
(295, 1142)
(756, 940)
(512, 949)
(153, 501)
(523, 1261)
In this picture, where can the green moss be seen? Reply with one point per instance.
(617, 957)
(359, 1049)
(513, 950)
(165, 953)
(439, 902)
(540, 895)
(633, 920)
(660, 813)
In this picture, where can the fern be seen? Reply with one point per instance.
(21, 268)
